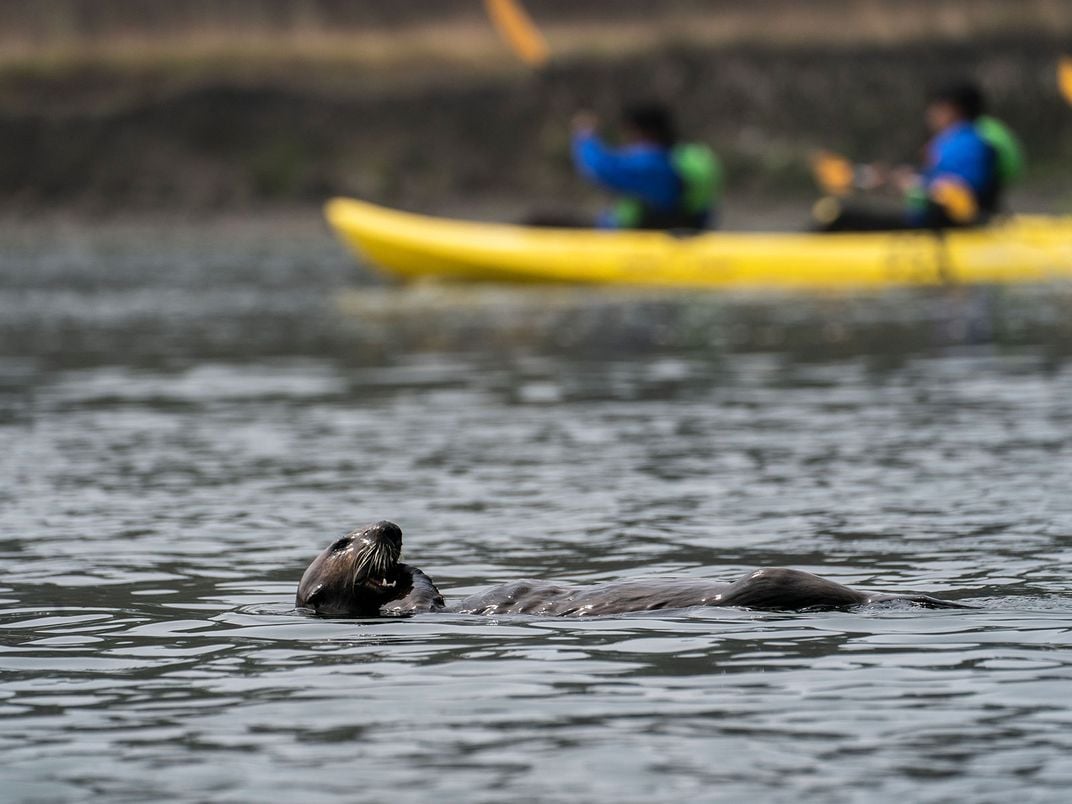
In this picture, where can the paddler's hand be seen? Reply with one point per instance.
(873, 176)
(585, 123)
(904, 178)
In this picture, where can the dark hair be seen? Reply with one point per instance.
(653, 121)
(965, 97)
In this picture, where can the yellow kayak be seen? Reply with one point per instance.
(1017, 250)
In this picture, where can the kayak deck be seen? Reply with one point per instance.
(1017, 250)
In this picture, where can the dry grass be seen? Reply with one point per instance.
(467, 43)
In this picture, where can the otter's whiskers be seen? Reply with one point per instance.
(375, 561)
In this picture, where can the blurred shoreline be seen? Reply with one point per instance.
(43, 31)
(422, 108)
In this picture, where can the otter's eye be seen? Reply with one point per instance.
(341, 544)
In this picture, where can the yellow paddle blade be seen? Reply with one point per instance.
(834, 174)
(1064, 77)
(519, 31)
(956, 198)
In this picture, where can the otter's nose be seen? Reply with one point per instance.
(385, 529)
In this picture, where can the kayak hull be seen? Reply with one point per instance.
(1028, 249)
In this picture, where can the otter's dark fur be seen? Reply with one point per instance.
(360, 576)
(770, 588)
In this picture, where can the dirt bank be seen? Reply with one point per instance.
(108, 138)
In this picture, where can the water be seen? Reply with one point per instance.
(189, 416)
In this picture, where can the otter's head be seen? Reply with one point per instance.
(355, 575)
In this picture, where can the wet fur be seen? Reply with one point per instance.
(360, 576)
(773, 588)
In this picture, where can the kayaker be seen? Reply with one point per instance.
(664, 184)
(969, 162)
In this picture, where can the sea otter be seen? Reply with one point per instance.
(360, 576)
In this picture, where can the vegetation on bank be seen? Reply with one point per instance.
(121, 103)
(34, 26)
(225, 40)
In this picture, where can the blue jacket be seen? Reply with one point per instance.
(644, 172)
(961, 152)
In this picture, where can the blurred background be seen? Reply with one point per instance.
(206, 105)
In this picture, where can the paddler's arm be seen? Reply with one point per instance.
(606, 166)
(962, 155)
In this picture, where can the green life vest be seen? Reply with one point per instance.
(1010, 154)
(700, 171)
(701, 176)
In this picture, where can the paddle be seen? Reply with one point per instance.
(837, 176)
(518, 30)
(1064, 77)
(834, 174)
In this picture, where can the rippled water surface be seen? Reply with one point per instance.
(188, 416)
